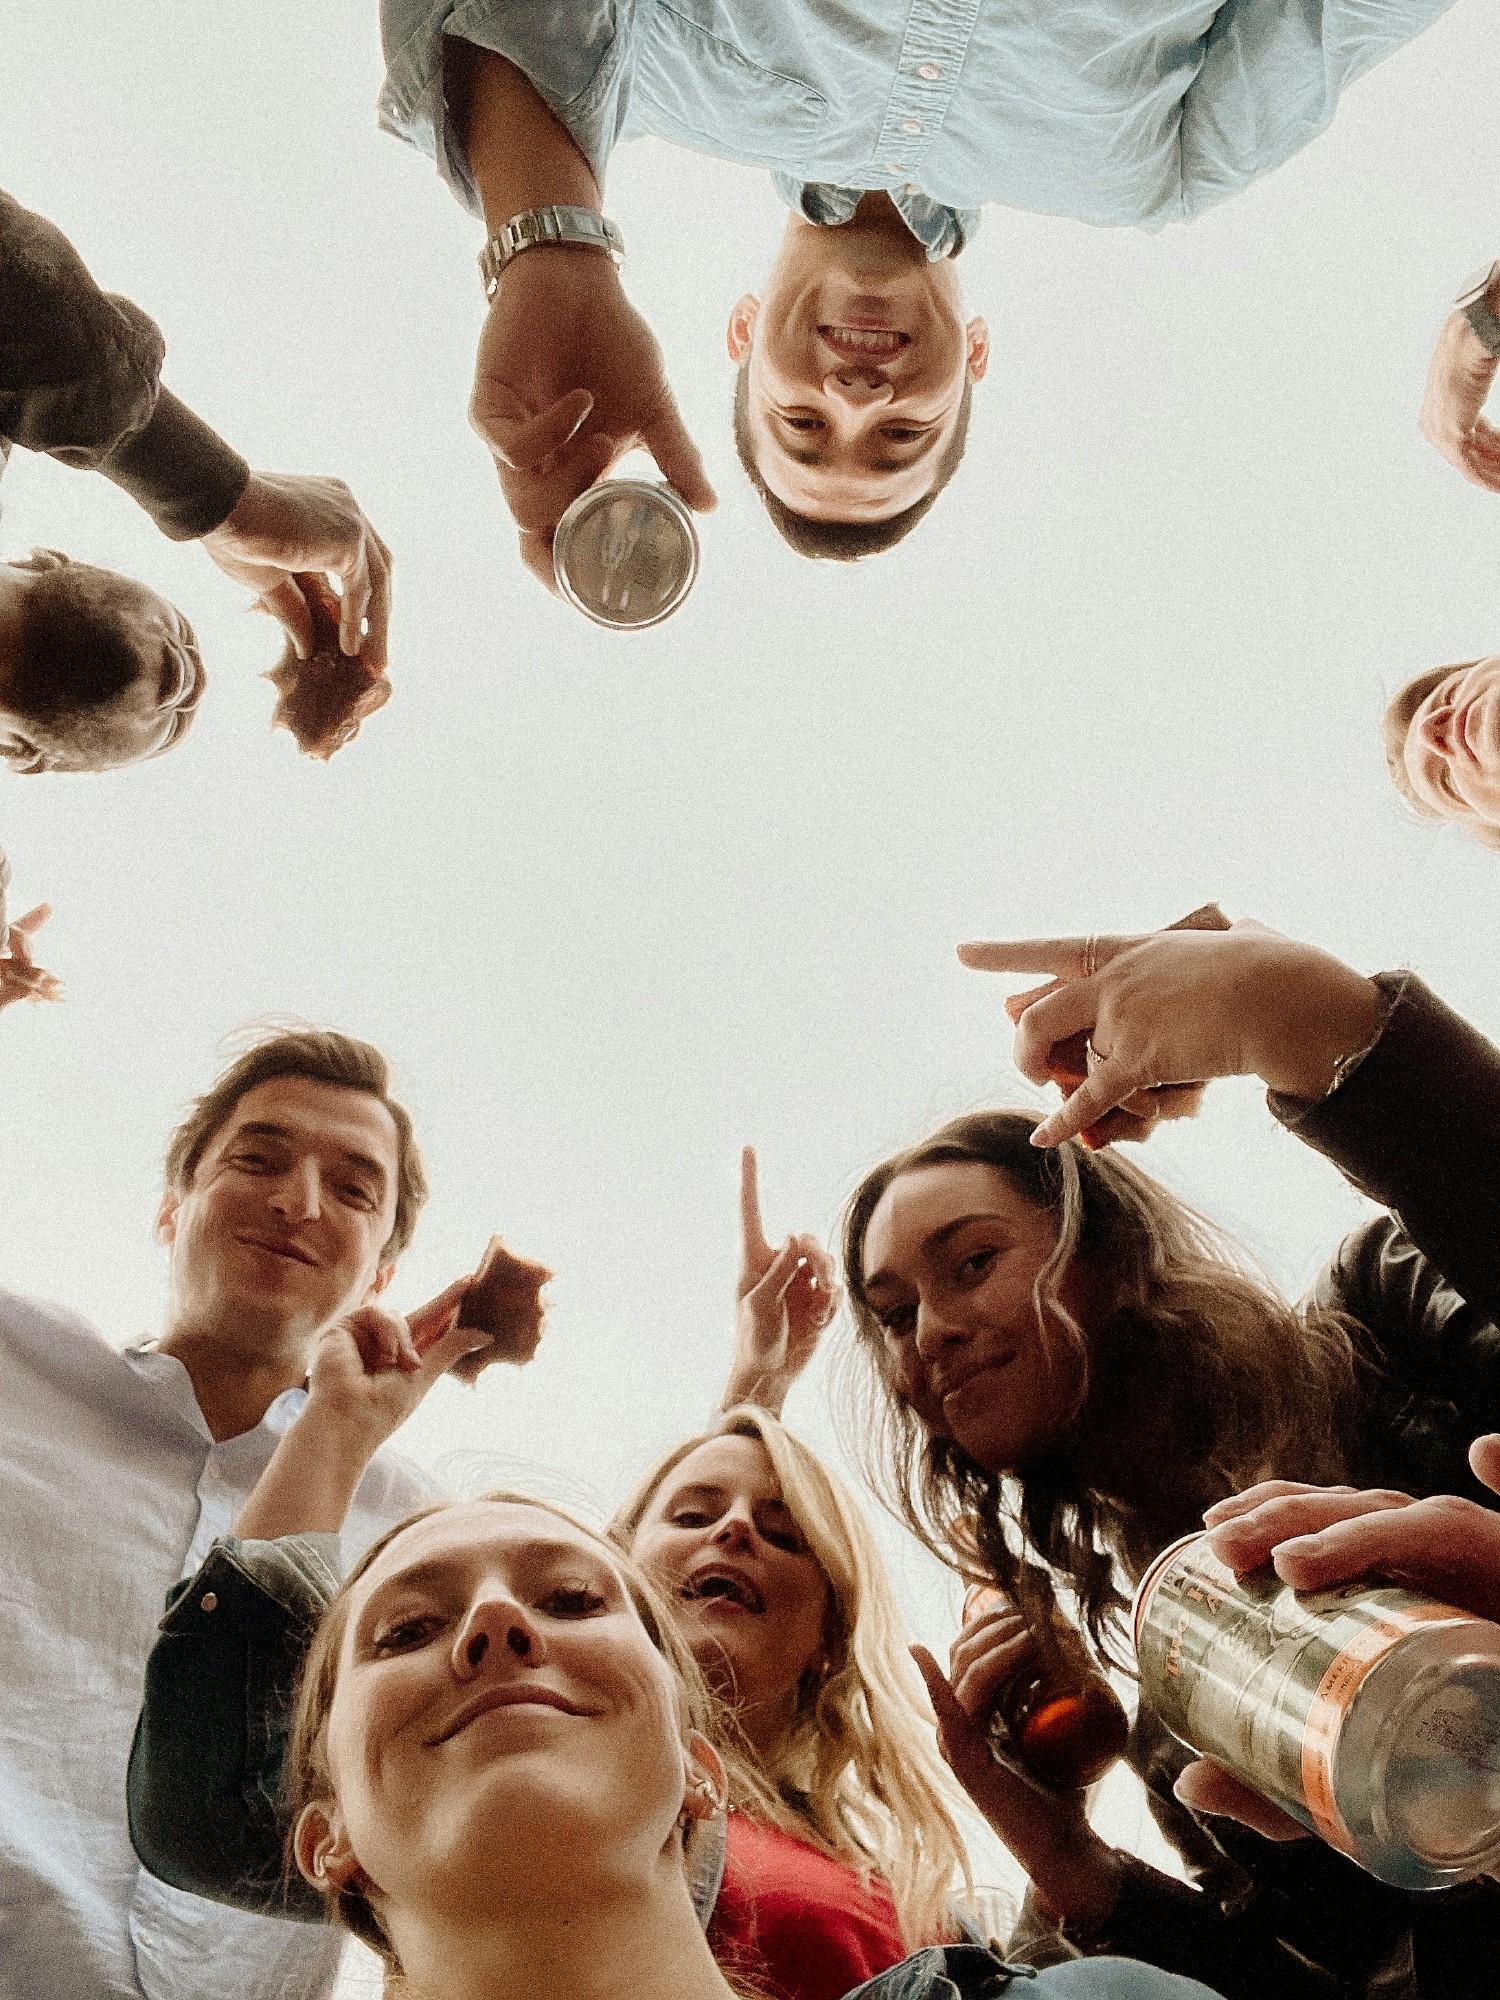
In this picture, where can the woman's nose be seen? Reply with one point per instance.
(496, 1627)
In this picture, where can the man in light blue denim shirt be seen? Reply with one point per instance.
(885, 123)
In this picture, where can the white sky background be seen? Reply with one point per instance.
(615, 904)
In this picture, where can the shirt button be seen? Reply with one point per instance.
(912, 125)
(208, 1601)
(930, 70)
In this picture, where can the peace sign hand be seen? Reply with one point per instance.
(786, 1298)
(1178, 1007)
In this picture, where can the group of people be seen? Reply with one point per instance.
(510, 1750)
(690, 1753)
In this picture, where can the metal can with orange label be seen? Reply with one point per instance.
(1369, 1713)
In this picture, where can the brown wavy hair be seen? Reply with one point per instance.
(1198, 1379)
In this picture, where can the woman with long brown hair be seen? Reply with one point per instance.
(1068, 1366)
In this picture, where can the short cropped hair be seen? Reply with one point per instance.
(75, 653)
(322, 1056)
(844, 541)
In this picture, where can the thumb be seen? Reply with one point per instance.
(429, 1323)
(1484, 1457)
(31, 922)
(289, 607)
(450, 1347)
(678, 459)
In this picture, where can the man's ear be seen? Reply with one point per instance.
(321, 1846)
(977, 337)
(166, 1217)
(741, 329)
(705, 1790)
(381, 1279)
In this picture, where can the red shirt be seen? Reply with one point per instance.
(796, 1924)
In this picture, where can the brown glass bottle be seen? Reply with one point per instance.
(1057, 1714)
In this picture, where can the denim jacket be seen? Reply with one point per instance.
(969, 1972)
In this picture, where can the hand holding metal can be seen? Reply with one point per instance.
(1370, 1713)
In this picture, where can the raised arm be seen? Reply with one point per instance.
(568, 374)
(785, 1298)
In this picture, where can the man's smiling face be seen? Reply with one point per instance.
(856, 363)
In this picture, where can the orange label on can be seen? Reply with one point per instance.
(1329, 1710)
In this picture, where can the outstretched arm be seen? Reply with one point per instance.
(568, 375)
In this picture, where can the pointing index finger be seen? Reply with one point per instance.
(1063, 958)
(752, 1229)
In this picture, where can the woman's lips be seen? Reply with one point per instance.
(962, 1388)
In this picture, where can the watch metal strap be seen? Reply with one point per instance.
(1473, 303)
(539, 226)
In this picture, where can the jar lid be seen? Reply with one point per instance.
(626, 553)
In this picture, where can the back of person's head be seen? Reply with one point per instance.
(858, 1760)
(102, 671)
(321, 1055)
(844, 541)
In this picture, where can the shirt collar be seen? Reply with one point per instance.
(941, 231)
(170, 1375)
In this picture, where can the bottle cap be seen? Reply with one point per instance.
(626, 553)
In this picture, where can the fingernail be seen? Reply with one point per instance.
(1302, 1545)
(1041, 1135)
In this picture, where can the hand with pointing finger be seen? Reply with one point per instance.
(1180, 1007)
(568, 378)
(786, 1298)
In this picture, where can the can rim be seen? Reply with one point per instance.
(1151, 1577)
(660, 492)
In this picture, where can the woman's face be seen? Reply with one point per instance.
(951, 1256)
(500, 1713)
(719, 1537)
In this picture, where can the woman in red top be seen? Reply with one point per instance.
(842, 1853)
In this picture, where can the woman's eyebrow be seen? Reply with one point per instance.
(933, 1241)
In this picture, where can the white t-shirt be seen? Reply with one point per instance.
(111, 1490)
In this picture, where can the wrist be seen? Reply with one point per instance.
(1340, 1014)
(345, 1439)
(762, 1388)
(1095, 1877)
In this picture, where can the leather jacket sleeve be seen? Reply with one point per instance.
(80, 379)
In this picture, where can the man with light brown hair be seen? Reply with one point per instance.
(292, 1187)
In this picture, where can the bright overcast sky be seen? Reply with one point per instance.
(616, 904)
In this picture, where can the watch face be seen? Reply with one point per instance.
(1477, 286)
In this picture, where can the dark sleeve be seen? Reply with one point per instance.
(1416, 1127)
(204, 1783)
(80, 379)
(1259, 1918)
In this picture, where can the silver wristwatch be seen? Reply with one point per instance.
(538, 226)
(1473, 303)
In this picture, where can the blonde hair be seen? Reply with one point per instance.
(307, 1777)
(1214, 1377)
(857, 1772)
